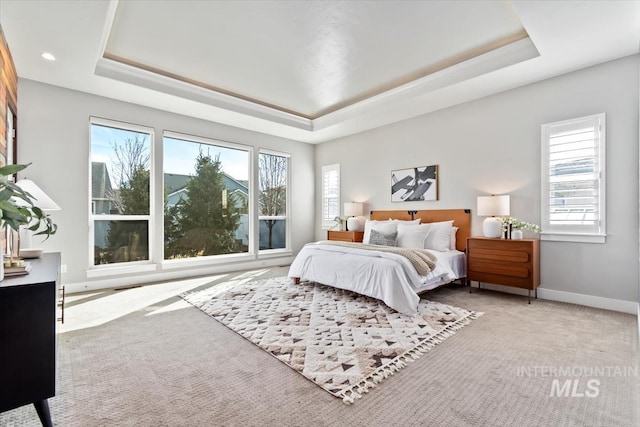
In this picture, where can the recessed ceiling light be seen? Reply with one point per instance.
(48, 56)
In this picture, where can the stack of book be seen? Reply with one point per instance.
(17, 271)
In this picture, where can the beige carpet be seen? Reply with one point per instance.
(169, 365)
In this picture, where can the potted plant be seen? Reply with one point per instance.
(17, 208)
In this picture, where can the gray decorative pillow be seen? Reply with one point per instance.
(383, 239)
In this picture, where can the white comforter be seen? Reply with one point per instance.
(385, 276)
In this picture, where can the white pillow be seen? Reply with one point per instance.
(385, 227)
(454, 230)
(412, 235)
(406, 221)
(439, 238)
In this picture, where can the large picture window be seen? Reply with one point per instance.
(273, 175)
(206, 197)
(120, 192)
(573, 180)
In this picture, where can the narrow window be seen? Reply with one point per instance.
(330, 195)
(273, 182)
(573, 180)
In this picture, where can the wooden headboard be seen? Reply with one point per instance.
(461, 219)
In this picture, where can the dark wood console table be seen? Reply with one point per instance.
(28, 337)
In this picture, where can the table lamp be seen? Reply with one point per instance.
(351, 211)
(46, 204)
(493, 206)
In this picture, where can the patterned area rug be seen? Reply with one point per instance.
(344, 342)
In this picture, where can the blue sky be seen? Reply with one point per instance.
(179, 156)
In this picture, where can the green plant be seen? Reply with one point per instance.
(516, 224)
(17, 207)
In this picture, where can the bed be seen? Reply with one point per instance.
(387, 276)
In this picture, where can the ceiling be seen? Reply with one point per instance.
(311, 71)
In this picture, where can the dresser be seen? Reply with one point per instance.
(28, 337)
(506, 262)
(346, 236)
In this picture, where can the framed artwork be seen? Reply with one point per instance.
(417, 184)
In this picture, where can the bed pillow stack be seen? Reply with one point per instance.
(437, 236)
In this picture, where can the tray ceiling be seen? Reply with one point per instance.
(307, 58)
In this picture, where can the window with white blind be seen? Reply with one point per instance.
(330, 195)
(573, 180)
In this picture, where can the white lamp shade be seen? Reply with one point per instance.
(493, 205)
(40, 198)
(353, 209)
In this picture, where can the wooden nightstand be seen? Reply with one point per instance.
(346, 236)
(504, 262)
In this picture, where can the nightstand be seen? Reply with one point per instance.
(346, 236)
(506, 262)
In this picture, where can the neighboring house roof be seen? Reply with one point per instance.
(173, 183)
(176, 183)
(100, 181)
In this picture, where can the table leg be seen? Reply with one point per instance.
(42, 408)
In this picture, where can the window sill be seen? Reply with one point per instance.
(208, 260)
(274, 253)
(114, 270)
(573, 237)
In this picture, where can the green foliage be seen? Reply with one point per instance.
(132, 235)
(134, 194)
(172, 233)
(516, 224)
(128, 240)
(205, 222)
(17, 206)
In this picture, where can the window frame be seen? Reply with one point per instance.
(574, 233)
(286, 217)
(98, 270)
(328, 223)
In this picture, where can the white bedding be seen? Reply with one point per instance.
(385, 276)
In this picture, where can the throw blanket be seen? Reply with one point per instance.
(421, 259)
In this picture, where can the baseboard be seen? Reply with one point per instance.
(172, 274)
(623, 306)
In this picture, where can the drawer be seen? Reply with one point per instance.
(501, 255)
(501, 269)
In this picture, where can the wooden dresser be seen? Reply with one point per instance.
(504, 262)
(346, 236)
(28, 337)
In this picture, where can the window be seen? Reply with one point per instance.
(330, 195)
(573, 180)
(120, 192)
(206, 197)
(273, 175)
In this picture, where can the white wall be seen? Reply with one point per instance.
(492, 146)
(53, 133)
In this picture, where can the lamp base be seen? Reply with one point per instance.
(492, 227)
(353, 224)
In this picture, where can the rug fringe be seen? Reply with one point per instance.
(363, 386)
